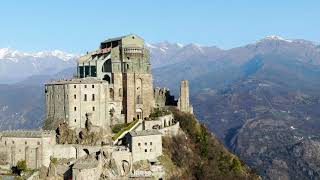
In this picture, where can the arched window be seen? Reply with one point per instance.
(107, 66)
(120, 92)
(107, 78)
(139, 99)
(111, 93)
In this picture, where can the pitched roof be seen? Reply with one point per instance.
(116, 38)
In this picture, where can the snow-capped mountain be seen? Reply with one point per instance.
(165, 53)
(17, 65)
(11, 54)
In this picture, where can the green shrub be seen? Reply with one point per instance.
(20, 167)
(54, 160)
(157, 112)
(236, 165)
(201, 154)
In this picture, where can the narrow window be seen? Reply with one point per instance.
(85, 86)
(111, 93)
(75, 108)
(145, 150)
(92, 86)
(74, 86)
(75, 96)
(120, 92)
(139, 144)
(93, 108)
(150, 150)
(85, 97)
(150, 143)
(145, 143)
(93, 98)
(25, 142)
(75, 120)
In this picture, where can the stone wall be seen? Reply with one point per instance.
(163, 98)
(172, 130)
(34, 147)
(159, 122)
(146, 147)
(138, 96)
(183, 102)
(76, 100)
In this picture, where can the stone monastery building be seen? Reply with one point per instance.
(113, 88)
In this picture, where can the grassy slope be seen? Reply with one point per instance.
(199, 155)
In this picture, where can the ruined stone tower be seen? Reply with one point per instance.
(183, 102)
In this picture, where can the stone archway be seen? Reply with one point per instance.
(139, 113)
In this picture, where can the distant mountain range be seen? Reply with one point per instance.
(17, 65)
(262, 100)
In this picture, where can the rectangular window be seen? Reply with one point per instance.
(145, 150)
(75, 108)
(85, 97)
(74, 86)
(145, 143)
(139, 144)
(93, 108)
(93, 98)
(92, 86)
(150, 143)
(75, 96)
(85, 86)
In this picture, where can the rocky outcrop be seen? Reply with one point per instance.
(86, 136)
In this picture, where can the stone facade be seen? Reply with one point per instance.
(183, 102)
(159, 122)
(163, 98)
(113, 86)
(125, 64)
(34, 147)
(145, 145)
(89, 168)
(78, 100)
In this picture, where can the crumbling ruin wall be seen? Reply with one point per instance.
(163, 98)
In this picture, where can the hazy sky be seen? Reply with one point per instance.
(78, 25)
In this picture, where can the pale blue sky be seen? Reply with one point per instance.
(78, 25)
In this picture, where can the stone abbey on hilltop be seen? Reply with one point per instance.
(108, 115)
(114, 85)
